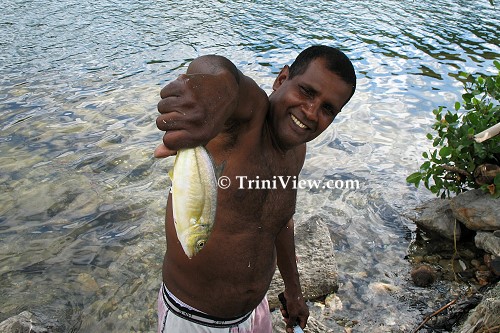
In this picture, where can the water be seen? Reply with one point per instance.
(82, 199)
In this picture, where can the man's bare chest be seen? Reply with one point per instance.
(257, 189)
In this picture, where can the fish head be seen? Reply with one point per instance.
(195, 239)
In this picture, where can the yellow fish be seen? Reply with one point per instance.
(194, 198)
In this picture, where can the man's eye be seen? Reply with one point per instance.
(305, 91)
(329, 110)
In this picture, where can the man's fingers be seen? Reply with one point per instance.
(171, 122)
(171, 104)
(174, 88)
(161, 151)
(291, 322)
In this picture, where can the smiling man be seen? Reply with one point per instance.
(223, 287)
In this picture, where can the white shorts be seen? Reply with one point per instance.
(177, 317)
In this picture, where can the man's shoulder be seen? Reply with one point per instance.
(253, 102)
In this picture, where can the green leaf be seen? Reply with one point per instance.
(414, 178)
(467, 97)
(425, 155)
(445, 151)
(457, 106)
(436, 142)
(434, 189)
(425, 165)
(429, 136)
(496, 181)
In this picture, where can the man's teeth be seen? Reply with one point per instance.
(298, 122)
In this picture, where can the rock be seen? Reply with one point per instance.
(495, 266)
(383, 288)
(423, 275)
(477, 210)
(483, 277)
(315, 261)
(333, 302)
(436, 216)
(27, 322)
(488, 241)
(486, 316)
(87, 282)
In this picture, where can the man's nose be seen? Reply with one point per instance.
(310, 109)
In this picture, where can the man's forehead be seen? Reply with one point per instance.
(318, 73)
(317, 67)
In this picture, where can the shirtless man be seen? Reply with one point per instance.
(223, 287)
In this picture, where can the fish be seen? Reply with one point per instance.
(194, 198)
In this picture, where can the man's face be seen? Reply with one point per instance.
(304, 106)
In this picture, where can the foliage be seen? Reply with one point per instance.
(450, 167)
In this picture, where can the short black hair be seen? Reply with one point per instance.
(336, 62)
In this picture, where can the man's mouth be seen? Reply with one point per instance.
(298, 122)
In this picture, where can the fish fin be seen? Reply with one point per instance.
(171, 173)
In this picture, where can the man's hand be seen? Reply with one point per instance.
(162, 151)
(194, 108)
(295, 313)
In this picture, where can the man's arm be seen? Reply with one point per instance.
(298, 311)
(196, 106)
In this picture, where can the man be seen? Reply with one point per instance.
(223, 287)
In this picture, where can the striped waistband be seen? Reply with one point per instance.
(200, 317)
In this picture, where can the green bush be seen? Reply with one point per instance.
(450, 167)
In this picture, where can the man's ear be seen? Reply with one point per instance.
(282, 76)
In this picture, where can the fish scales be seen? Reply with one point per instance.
(194, 198)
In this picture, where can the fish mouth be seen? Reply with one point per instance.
(298, 122)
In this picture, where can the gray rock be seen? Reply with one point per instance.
(315, 261)
(486, 316)
(477, 210)
(488, 241)
(436, 216)
(27, 322)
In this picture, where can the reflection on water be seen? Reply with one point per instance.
(82, 199)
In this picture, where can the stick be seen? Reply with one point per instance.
(456, 170)
(434, 314)
(490, 329)
(488, 133)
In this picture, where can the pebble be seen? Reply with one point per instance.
(475, 263)
(333, 302)
(495, 266)
(432, 259)
(483, 277)
(423, 276)
(381, 287)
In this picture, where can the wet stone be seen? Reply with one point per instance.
(423, 275)
(28, 322)
(315, 261)
(488, 241)
(477, 210)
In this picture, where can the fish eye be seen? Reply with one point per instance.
(200, 244)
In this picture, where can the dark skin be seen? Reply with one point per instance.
(253, 135)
